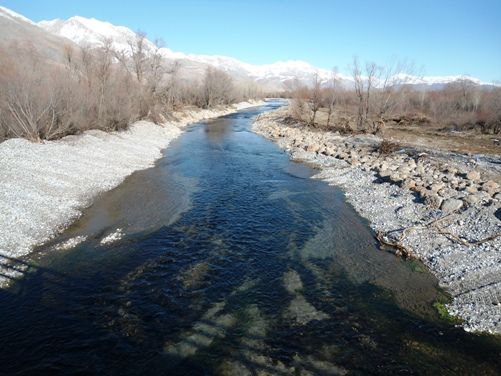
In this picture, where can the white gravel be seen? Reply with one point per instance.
(470, 273)
(44, 187)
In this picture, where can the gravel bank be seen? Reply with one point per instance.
(44, 187)
(441, 208)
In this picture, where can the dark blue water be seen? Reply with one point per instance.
(234, 262)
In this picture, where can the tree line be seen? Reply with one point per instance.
(101, 88)
(381, 94)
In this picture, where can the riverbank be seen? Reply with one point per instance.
(44, 187)
(442, 208)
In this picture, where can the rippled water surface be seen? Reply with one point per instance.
(233, 262)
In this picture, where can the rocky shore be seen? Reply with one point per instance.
(44, 187)
(442, 208)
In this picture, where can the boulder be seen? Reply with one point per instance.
(396, 177)
(472, 199)
(452, 170)
(435, 187)
(409, 184)
(491, 187)
(312, 148)
(420, 169)
(432, 200)
(404, 170)
(451, 204)
(473, 175)
(384, 173)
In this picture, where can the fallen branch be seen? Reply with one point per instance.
(400, 250)
(464, 242)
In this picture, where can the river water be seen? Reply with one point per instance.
(234, 262)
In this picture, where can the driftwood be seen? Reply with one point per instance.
(400, 250)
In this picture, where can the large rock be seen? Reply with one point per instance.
(404, 170)
(451, 204)
(384, 173)
(409, 184)
(420, 169)
(471, 189)
(396, 177)
(473, 199)
(491, 187)
(312, 148)
(437, 187)
(473, 175)
(432, 200)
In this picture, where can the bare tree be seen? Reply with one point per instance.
(138, 50)
(363, 89)
(330, 96)
(315, 98)
(217, 88)
(390, 81)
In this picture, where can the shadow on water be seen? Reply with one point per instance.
(234, 262)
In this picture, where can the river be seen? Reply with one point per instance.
(233, 261)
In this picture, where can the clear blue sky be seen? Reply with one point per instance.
(444, 37)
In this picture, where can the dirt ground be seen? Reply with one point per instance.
(431, 136)
(435, 138)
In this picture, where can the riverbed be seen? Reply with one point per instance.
(226, 258)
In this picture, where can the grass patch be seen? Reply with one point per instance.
(439, 305)
(416, 266)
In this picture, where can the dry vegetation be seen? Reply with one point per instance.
(100, 88)
(381, 102)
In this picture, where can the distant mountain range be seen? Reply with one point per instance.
(91, 32)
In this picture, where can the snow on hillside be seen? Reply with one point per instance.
(89, 31)
(93, 32)
(7, 13)
(84, 31)
(434, 80)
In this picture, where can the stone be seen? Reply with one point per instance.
(446, 192)
(422, 191)
(404, 170)
(395, 177)
(450, 205)
(420, 169)
(491, 187)
(330, 151)
(411, 163)
(355, 162)
(452, 170)
(312, 148)
(437, 187)
(473, 175)
(472, 199)
(409, 184)
(433, 200)
(384, 173)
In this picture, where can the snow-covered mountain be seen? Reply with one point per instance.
(89, 31)
(13, 16)
(275, 76)
(17, 33)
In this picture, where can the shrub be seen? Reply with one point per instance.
(387, 147)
